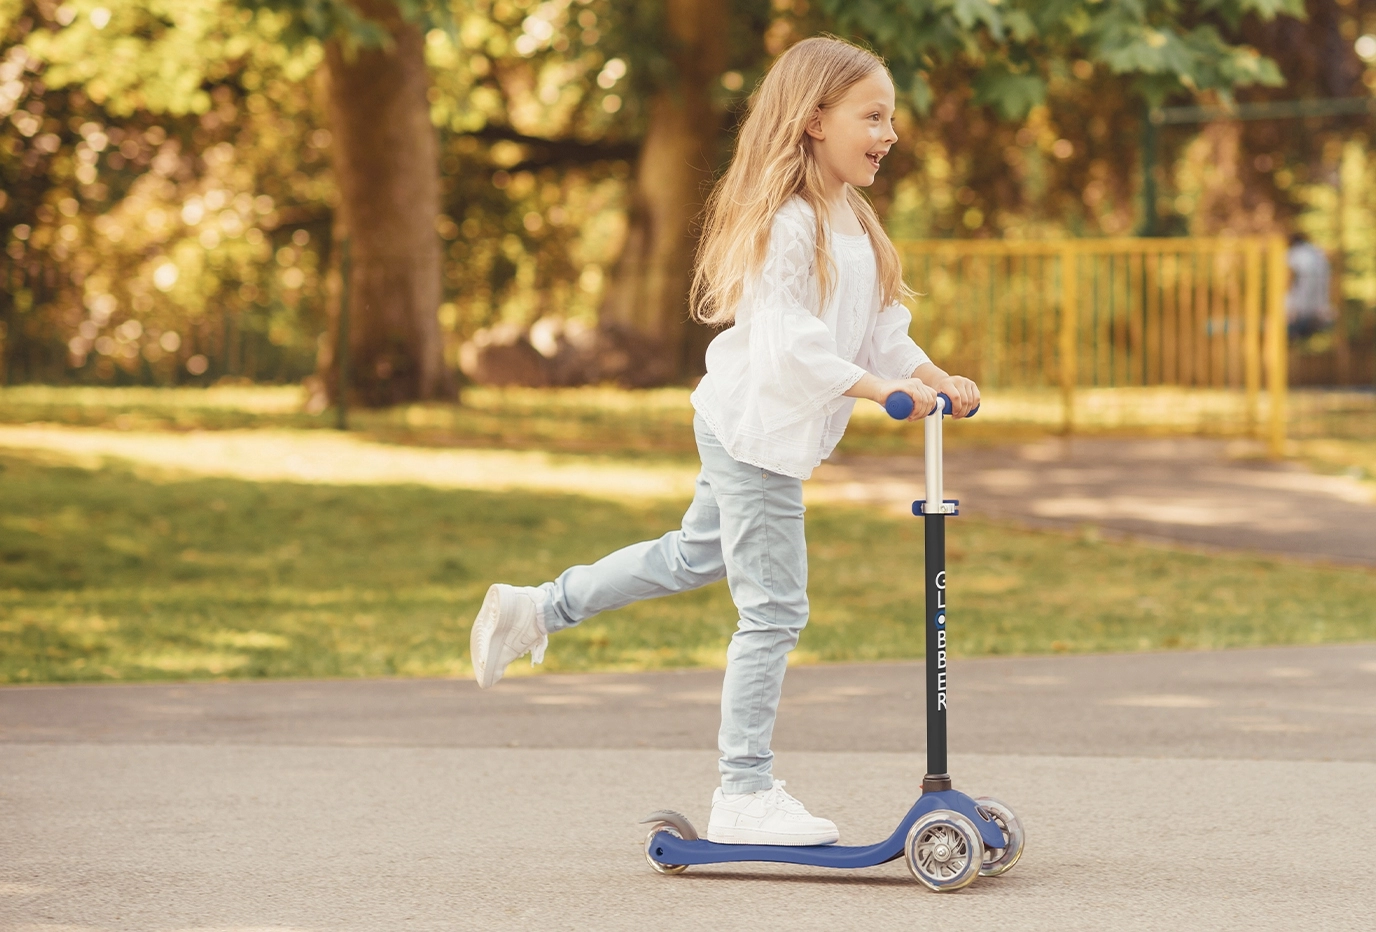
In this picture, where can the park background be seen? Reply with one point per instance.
(483, 213)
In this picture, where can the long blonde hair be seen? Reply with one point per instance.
(773, 162)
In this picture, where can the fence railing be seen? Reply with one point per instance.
(1101, 313)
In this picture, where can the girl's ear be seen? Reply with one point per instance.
(814, 125)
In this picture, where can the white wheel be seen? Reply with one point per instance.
(663, 828)
(944, 850)
(666, 822)
(1001, 860)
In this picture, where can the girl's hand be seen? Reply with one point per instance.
(964, 394)
(922, 394)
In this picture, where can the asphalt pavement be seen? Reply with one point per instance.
(1192, 491)
(1224, 790)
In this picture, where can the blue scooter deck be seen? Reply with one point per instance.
(669, 849)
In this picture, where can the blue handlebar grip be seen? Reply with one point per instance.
(944, 402)
(899, 405)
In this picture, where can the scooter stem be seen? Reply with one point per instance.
(931, 451)
(934, 522)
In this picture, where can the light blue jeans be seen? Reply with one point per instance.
(745, 524)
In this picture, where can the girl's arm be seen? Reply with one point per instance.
(893, 352)
(926, 381)
(878, 390)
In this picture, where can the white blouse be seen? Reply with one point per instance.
(773, 392)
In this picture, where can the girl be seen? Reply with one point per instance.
(796, 258)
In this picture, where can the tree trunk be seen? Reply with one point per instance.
(649, 289)
(386, 163)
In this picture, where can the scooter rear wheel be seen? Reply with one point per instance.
(662, 829)
(667, 822)
(1001, 860)
(944, 850)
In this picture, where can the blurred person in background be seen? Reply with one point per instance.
(1307, 310)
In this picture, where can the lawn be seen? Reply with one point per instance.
(106, 574)
(631, 423)
(1334, 432)
(575, 420)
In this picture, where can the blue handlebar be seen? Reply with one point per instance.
(900, 405)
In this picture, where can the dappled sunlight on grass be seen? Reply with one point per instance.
(658, 422)
(106, 575)
(327, 458)
(250, 399)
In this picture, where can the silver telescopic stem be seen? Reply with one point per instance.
(932, 453)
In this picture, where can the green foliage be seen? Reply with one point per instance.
(1009, 46)
(1011, 95)
(324, 20)
(162, 156)
(536, 125)
(538, 107)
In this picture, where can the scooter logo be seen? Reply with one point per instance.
(940, 622)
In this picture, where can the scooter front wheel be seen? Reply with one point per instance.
(944, 850)
(1001, 860)
(666, 822)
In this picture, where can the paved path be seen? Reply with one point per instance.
(1181, 490)
(1227, 790)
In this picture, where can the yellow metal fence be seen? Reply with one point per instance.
(1107, 313)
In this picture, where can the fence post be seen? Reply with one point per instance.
(1069, 343)
(1276, 348)
(7, 289)
(342, 411)
(1251, 334)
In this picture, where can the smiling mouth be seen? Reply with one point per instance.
(874, 158)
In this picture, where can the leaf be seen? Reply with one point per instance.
(1011, 95)
(338, 19)
(920, 93)
(970, 14)
(1234, 11)
(1021, 27)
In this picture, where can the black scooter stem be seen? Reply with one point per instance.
(938, 776)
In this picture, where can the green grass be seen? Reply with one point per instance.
(108, 576)
(659, 422)
(568, 420)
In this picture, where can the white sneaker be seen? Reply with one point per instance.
(508, 625)
(766, 817)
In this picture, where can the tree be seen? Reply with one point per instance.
(679, 155)
(386, 161)
(1008, 48)
(659, 103)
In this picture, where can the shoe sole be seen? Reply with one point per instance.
(485, 625)
(752, 837)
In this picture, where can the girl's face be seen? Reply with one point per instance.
(851, 138)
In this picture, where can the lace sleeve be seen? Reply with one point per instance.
(792, 352)
(892, 353)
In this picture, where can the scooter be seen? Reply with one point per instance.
(949, 839)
